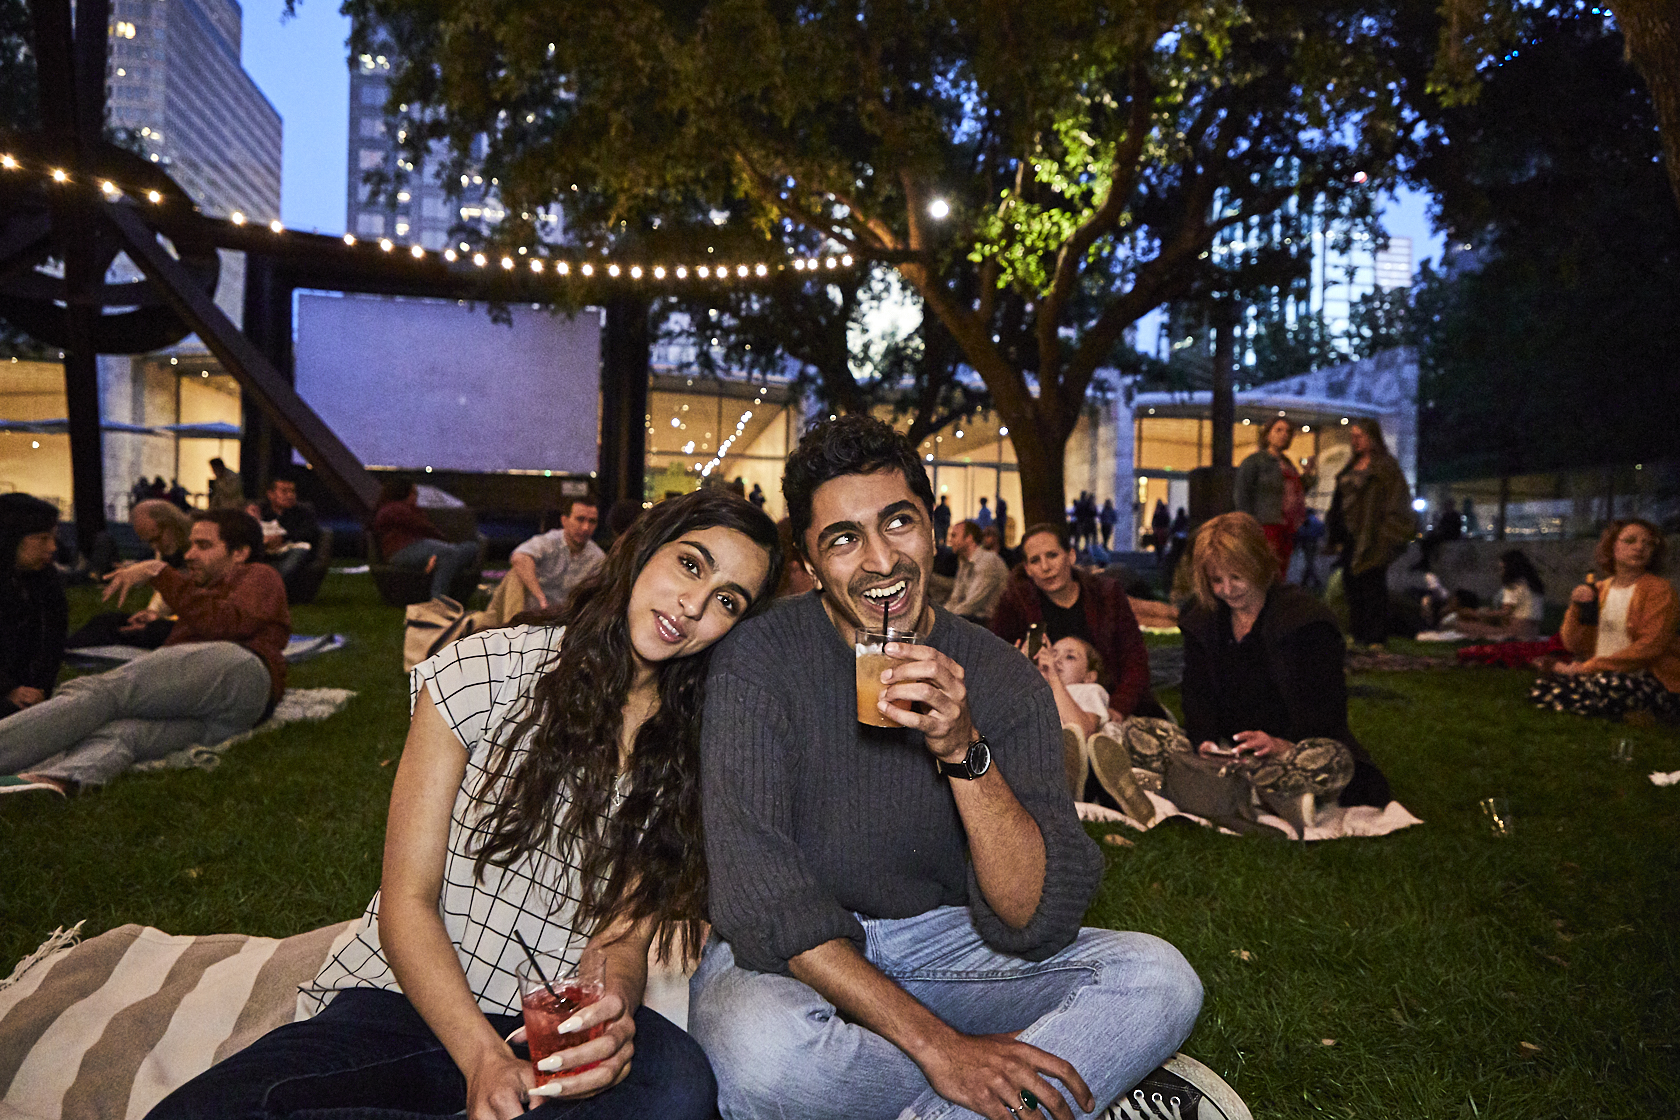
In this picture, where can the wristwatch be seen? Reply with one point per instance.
(976, 762)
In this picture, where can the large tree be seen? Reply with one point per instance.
(1550, 341)
(1041, 174)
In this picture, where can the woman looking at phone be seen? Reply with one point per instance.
(1263, 678)
(548, 787)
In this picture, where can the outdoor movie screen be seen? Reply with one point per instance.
(435, 383)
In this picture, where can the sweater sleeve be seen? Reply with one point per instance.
(1650, 628)
(1318, 710)
(1018, 716)
(224, 615)
(1196, 692)
(1246, 491)
(764, 899)
(1009, 620)
(1577, 638)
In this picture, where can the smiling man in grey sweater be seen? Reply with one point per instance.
(896, 911)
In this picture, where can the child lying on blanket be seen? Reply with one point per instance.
(1072, 666)
(1090, 739)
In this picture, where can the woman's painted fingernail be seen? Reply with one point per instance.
(570, 1025)
(551, 1064)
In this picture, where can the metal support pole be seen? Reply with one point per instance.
(625, 358)
(339, 467)
(264, 451)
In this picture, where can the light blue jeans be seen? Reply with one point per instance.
(95, 727)
(1114, 1004)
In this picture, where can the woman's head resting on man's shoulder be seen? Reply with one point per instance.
(683, 573)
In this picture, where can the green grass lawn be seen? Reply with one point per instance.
(1429, 957)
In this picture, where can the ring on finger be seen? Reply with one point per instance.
(1028, 1101)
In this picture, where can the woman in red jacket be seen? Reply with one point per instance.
(1049, 591)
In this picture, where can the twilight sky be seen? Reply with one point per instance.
(300, 64)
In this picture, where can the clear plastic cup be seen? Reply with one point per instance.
(872, 661)
(547, 1005)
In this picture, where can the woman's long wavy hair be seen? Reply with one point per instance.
(647, 858)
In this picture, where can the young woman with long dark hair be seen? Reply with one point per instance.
(548, 787)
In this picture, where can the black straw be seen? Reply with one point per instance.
(886, 620)
(532, 957)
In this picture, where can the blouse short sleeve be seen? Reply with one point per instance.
(474, 677)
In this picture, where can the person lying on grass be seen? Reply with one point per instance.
(549, 791)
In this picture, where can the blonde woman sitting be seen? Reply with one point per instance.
(1263, 681)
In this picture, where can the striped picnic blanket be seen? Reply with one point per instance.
(106, 1029)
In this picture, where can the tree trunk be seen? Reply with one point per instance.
(1039, 460)
(1651, 29)
(1223, 410)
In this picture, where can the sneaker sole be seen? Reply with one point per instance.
(1219, 1100)
(1112, 764)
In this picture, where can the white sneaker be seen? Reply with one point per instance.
(1181, 1089)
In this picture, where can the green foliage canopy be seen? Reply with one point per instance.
(1088, 152)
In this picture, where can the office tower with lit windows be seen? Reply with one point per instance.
(421, 212)
(422, 209)
(177, 84)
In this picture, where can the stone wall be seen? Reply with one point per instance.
(1474, 564)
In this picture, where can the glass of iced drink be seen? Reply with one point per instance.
(872, 661)
(548, 1004)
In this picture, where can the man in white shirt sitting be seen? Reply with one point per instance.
(981, 574)
(550, 564)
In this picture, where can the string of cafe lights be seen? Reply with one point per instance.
(112, 191)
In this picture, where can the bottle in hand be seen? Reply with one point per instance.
(1587, 613)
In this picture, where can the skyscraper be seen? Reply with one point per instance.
(176, 80)
(424, 210)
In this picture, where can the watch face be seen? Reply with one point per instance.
(979, 758)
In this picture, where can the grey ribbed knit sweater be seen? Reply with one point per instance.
(812, 817)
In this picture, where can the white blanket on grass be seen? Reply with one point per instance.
(1332, 822)
(313, 704)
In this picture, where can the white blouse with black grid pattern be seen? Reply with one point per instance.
(479, 685)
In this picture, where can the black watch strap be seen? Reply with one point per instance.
(976, 762)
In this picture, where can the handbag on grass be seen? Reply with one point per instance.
(1212, 788)
(429, 626)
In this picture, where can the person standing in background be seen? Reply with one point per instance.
(984, 517)
(941, 518)
(227, 489)
(1370, 525)
(1270, 490)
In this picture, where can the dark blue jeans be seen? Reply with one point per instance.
(369, 1056)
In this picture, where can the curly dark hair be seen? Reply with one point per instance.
(854, 444)
(1515, 566)
(648, 859)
